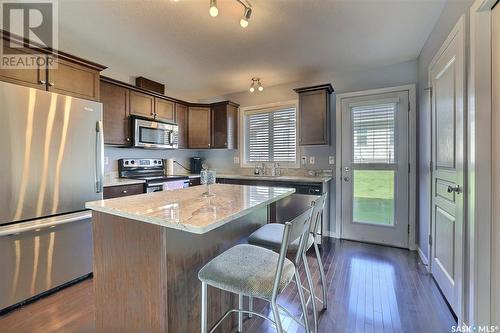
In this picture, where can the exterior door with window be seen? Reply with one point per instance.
(375, 168)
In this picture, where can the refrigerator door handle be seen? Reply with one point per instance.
(99, 158)
(44, 223)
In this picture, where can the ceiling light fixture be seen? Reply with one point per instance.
(214, 11)
(246, 17)
(247, 11)
(256, 80)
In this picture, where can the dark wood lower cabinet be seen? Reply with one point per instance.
(122, 190)
(146, 276)
(194, 182)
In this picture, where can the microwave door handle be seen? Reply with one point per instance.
(170, 138)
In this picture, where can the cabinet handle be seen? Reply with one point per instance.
(124, 191)
(51, 84)
(128, 139)
(42, 82)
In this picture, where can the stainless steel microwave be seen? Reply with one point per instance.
(154, 134)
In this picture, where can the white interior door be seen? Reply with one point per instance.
(375, 168)
(446, 74)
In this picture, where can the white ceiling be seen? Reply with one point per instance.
(198, 56)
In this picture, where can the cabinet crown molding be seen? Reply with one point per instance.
(327, 86)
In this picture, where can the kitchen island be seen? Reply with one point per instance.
(148, 249)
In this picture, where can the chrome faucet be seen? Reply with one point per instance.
(276, 171)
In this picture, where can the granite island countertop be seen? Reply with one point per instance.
(187, 209)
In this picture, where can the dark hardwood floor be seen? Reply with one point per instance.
(371, 289)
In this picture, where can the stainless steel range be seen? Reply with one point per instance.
(153, 172)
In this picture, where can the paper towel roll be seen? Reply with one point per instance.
(170, 167)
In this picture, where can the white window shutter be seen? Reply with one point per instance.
(271, 136)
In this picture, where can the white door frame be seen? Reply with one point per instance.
(412, 138)
(479, 143)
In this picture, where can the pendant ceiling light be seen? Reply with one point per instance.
(214, 11)
(256, 82)
(247, 11)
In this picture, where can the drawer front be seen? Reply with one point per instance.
(194, 182)
(122, 191)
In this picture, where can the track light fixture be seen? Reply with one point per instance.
(246, 16)
(247, 11)
(256, 81)
(214, 11)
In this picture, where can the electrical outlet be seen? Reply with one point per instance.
(303, 160)
(236, 160)
(312, 160)
(331, 160)
(106, 160)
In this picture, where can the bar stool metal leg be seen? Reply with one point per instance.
(311, 292)
(302, 300)
(204, 321)
(240, 314)
(276, 315)
(322, 275)
(250, 306)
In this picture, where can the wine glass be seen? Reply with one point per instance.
(207, 177)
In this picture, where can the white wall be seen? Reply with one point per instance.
(349, 81)
(449, 17)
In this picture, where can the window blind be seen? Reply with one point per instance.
(271, 136)
(373, 133)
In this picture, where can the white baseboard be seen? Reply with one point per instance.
(423, 258)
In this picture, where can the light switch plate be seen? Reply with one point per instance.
(236, 159)
(312, 160)
(331, 160)
(303, 160)
(106, 160)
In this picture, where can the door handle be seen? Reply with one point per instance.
(454, 189)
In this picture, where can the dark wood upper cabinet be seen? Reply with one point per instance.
(199, 127)
(142, 104)
(34, 78)
(73, 79)
(181, 118)
(115, 103)
(164, 109)
(225, 125)
(59, 72)
(314, 114)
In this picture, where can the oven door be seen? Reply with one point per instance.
(154, 134)
(157, 187)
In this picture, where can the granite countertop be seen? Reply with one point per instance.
(109, 182)
(186, 209)
(301, 179)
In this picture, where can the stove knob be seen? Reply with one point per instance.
(132, 162)
(155, 162)
(126, 162)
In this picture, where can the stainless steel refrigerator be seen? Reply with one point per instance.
(51, 163)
